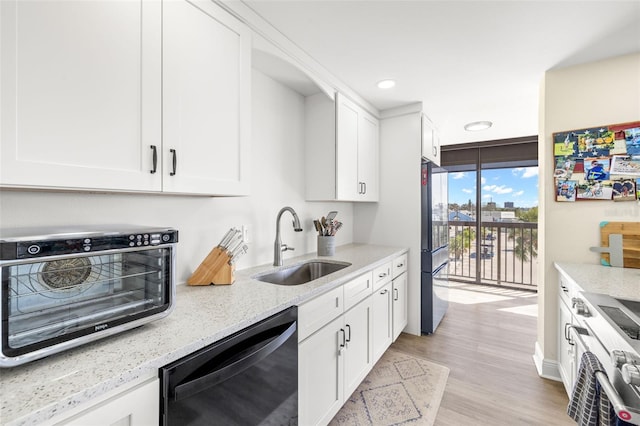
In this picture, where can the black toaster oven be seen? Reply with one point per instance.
(61, 288)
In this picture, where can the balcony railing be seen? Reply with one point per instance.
(498, 253)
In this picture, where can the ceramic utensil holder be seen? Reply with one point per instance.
(326, 245)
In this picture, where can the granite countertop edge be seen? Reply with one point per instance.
(227, 312)
(595, 278)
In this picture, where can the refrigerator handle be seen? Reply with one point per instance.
(441, 267)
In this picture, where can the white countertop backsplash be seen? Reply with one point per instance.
(623, 283)
(36, 392)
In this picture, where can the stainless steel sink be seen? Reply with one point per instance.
(302, 273)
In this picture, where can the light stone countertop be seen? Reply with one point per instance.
(623, 283)
(34, 393)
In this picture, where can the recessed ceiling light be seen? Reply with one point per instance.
(477, 125)
(386, 84)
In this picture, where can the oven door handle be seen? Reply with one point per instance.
(218, 375)
(621, 410)
(579, 331)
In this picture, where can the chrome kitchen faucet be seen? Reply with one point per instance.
(278, 247)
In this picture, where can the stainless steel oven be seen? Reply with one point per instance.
(611, 331)
(62, 288)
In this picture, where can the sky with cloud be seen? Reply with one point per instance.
(519, 185)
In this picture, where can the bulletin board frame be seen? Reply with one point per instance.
(600, 163)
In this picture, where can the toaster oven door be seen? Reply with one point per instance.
(51, 301)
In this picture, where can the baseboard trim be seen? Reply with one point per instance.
(547, 369)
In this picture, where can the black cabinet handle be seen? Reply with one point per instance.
(364, 186)
(344, 338)
(175, 162)
(395, 291)
(349, 328)
(385, 291)
(155, 159)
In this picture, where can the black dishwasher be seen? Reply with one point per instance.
(248, 378)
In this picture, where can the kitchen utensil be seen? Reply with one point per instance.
(235, 244)
(624, 246)
(238, 253)
(336, 228)
(329, 228)
(232, 241)
(316, 223)
(227, 237)
(332, 215)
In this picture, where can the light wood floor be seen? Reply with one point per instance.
(487, 340)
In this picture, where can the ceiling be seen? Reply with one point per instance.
(464, 60)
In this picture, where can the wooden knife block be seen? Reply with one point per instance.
(214, 269)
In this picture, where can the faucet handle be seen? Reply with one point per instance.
(285, 247)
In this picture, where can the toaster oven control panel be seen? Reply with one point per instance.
(86, 244)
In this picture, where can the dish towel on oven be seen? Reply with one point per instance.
(589, 405)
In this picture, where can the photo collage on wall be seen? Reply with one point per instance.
(600, 163)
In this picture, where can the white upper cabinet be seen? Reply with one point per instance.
(342, 142)
(81, 94)
(206, 99)
(368, 147)
(96, 95)
(430, 141)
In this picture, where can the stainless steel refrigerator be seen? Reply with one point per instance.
(435, 247)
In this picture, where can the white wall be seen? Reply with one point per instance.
(277, 179)
(395, 220)
(590, 95)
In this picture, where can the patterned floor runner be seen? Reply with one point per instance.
(401, 389)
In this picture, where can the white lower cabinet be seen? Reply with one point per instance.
(566, 352)
(358, 345)
(332, 363)
(399, 298)
(381, 320)
(342, 333)
(138, 406)
(320, 375)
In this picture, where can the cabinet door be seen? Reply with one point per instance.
(206, 99)
(565, 349)
(430, 141)
(358, 360)
(368, 157)
(381, 327)
(320, 374)
(347, 117)
(399, 305)
(81, 94)
(137, 407)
